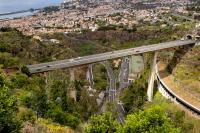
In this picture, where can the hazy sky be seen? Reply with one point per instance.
(16, 5)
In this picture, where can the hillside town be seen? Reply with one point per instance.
(77, 16)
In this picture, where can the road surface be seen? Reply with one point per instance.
(112, 82)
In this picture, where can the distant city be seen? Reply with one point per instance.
(79, 15)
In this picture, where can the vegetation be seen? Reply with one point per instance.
(184, 120)
(135, 96)
(8, 108)
(187, 72)
(152, 120)
(51, 9)
(102, 124)
(45, 101)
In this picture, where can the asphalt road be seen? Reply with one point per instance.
(112, 82)
(43, 67)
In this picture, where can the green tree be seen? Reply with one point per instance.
(19, 80)
(8, 60)
(102, 124)
(88, 105)
(178, 116)
(152, 120)
(25, 70)
(135, 96)
(8, 121)
(37, 97)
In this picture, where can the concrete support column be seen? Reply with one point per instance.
(152, 78)
(72, 91)
(72, 74)
(46, 77)
(89, 76)
(124, 73)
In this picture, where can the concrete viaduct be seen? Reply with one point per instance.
(181, 47)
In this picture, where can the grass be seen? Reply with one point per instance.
(188, 71)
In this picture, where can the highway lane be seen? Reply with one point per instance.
(37, 68)
(112, 82)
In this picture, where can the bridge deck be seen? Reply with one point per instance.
(37, 68)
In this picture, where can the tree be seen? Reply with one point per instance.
(8, 121)
(102, 124)
(134, 97)
(88, 105)
(25, 70)
(153, 120)
(19, 81)
(7, 60)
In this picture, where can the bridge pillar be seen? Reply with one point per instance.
(152, 78)
(72, 74)
(136, 66)
(124, 73)
(72, 90)
(89, 76)
(46, 77)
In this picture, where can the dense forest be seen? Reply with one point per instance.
(43, 102)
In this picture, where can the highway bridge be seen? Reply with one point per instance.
(44, 67)
(114, 92)
(16, 12)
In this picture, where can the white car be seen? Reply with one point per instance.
(79, 58)
(71, 59)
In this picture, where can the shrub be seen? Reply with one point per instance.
(8, 120)
(153, 120)
(102, 124)
(57, 115)
(19, 80)
(25, 70)
(26, 114)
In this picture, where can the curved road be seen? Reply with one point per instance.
(169, 94)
